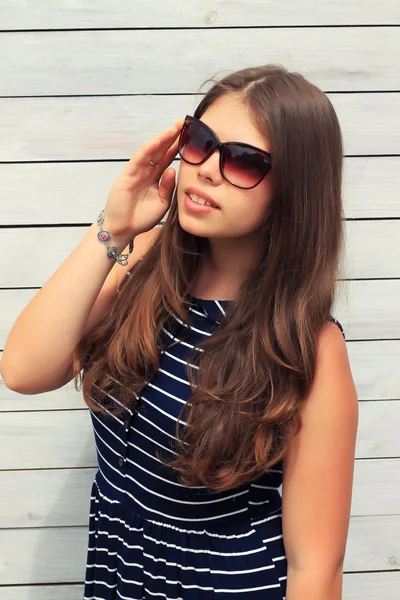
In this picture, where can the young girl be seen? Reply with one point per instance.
(218, 372)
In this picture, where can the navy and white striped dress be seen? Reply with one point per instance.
(152, 537)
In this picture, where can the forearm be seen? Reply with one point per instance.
(314, 585)
(41, 341)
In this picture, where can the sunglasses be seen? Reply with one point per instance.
(242, 165)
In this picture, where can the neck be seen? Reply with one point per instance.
(227, 265)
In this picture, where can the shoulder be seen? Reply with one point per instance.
(331, 347)
(334, 320)
(332, 373)
(319, 460)
(332, 401)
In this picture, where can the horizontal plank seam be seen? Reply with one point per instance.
(128, 95)
(205, 28)
(89, 467)
(41, 585)
(123, 160)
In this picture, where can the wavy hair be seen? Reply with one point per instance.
(245, 401)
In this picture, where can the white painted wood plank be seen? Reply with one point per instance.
(363, 127)
(377, 435)
(47, 440)
(105, 127)
(43, 555)
(50, 555)
(371, 313)
(45, 592)
(130, 61)
(366, 317)
(375, 368)
(60, 497)
(58, 192)
(373, 541)
(372, 251)
(46, 498)
(61, 241)
(356, 586)
(49, 14)
(370, 586)
(385, 535)
(64, 439)
(374, 364)
(370, 187)
(376, 487)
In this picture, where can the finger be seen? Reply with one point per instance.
(157, 144)
(164, 161)
(167, 185)
(159, 151)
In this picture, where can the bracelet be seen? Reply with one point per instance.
(104, 237)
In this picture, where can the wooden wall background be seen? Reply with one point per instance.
(82, 86)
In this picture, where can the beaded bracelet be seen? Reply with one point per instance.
(104, 237)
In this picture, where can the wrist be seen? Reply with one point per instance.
(119, 241)
(114, 243)
(118, 238)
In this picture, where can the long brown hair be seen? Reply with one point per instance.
(245, 401)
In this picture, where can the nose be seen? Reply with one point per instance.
(209, 169)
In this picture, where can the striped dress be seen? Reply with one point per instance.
(152, 537)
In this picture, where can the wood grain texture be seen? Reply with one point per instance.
(372, 251)
(135, 61)
(72, 193)
(356, 586)
(51, 554)
(64, 439)
(47, 440)
(42, 592)
(367, 309)
(59, 156)
(48, 14)
(45, 498)
(60, 497)
(105, 127)
(374, 363)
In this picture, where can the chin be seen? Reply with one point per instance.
(190, 227)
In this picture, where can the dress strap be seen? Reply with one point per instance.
(338, 324)
(214, 305)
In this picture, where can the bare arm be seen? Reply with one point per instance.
(37, 356)
(318, 477)
(38, 353)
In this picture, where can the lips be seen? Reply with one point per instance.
(193, 190)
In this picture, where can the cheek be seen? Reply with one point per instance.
(249, 213)
(244, 210)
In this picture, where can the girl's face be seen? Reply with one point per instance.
(242, 211)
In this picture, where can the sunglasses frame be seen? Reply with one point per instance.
(221, 147)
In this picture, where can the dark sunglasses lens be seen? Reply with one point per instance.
(243, 166)
(194, 143)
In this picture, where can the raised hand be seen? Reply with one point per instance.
(142, 193)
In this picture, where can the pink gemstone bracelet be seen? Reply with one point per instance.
(104, 237)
